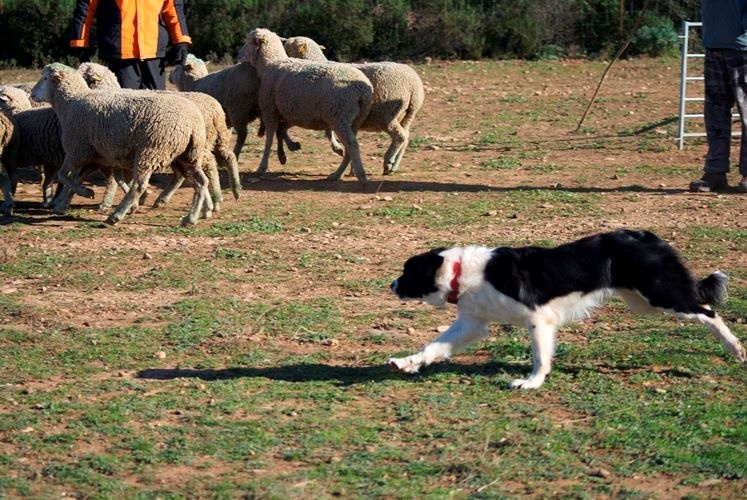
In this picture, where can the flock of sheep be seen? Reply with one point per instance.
(94, 125)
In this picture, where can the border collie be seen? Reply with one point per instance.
(545, 288)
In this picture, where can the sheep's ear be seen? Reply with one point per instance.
(282, 39)
(3, 98)
(323, 47)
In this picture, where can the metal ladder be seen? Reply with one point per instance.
(684, 79)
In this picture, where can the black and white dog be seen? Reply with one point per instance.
(544, 288)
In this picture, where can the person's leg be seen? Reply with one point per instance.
(153, 74)
(719, 99)
(737, 62)
(127, 72)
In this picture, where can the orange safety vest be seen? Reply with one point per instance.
(130, 29)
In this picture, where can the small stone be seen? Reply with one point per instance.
(161, 355)
(442, 328)
(147, 256)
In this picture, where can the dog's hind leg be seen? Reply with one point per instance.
(460, 334)
(722, 332)
(542, 331)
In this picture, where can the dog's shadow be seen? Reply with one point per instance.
(340, 375)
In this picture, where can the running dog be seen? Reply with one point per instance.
(545, 288)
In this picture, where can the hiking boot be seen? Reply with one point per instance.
(742, 186)
(710, 183)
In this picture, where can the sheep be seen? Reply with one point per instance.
(40, 143)
(314, 95)
(142, 129)
(100, 77)
(236, 88)
(397, 98)
(26, 87)
(9, 141)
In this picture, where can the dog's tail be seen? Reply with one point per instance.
(713, 289)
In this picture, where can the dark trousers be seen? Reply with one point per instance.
(725, 73)
(137, 74)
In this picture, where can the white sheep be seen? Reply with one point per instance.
(398, 94)
(236, 88)
(9, 139)
(309, 94)
(40, 143)
(99, 77)
(146, 130)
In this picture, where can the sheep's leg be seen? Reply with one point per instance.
(7, 205)
(71, 169)
(211, 169)
(241, 133)
(292, 145)
(137, 188)
(398, 137)
(48, 175)
(199, 180)
(177, 179)
(398, 156)
(334, 143)
(281, 151)
(337, 174)
(228, 160)
(352, 153)
(114, 180)
(271, 125)
(72, 184)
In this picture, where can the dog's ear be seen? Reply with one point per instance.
(425, 264)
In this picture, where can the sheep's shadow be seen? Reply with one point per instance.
(31, 213)
(340, 375)
(296, 181)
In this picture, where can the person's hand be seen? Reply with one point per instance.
(181, 50)
(83, 54)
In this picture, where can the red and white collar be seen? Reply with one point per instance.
(453, 295)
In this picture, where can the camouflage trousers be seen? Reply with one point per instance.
(725, 72)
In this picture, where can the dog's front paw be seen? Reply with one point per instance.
(527, 383)
(407, 365)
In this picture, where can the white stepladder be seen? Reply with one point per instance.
(684, 79)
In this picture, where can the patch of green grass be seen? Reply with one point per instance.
(501, 163)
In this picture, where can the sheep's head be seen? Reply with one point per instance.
(13, 100)
(193, 69)
(98, 76)
(302, 47)
(52, 76)
(261, 41)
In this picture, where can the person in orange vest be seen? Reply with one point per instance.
(132, 37)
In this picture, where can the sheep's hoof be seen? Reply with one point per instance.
(187, 222)
(112, 220)
(282, 158)
(293, 146)
(103, 207)
(334, 177)
(6, 209)
(87, 193)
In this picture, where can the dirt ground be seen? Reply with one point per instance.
(497, 135)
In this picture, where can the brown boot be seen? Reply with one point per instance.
(710, 183)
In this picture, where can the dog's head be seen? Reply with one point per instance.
(420, 278)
